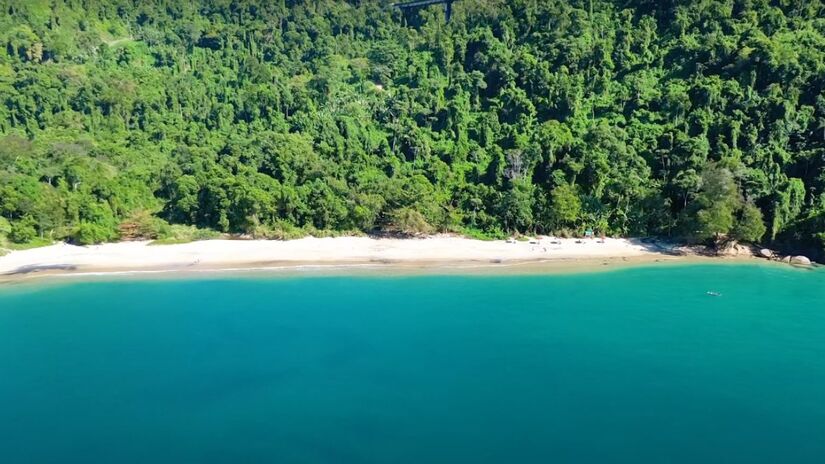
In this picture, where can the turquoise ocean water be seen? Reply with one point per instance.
(631, 366)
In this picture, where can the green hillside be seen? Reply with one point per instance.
(687, 119)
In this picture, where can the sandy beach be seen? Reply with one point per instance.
(436, 251)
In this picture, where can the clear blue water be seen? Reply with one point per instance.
(633, 366)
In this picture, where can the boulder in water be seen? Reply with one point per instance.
(800, 261)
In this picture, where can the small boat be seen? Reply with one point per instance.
(713, 293)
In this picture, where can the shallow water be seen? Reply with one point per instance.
(631, 366)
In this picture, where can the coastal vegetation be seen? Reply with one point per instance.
(699, 120)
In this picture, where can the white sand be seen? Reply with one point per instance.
(223, 254)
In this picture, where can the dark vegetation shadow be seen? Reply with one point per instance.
(658, 246)
(673, 247)
(33, 268)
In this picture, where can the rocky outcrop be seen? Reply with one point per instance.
(766, 253)
(734, 249)
(800, 261)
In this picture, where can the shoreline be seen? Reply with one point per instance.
(439, 254)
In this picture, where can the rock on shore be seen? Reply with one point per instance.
(800, 261)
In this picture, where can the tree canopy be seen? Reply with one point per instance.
(693, 119)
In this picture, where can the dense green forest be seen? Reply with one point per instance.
(273, 118)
